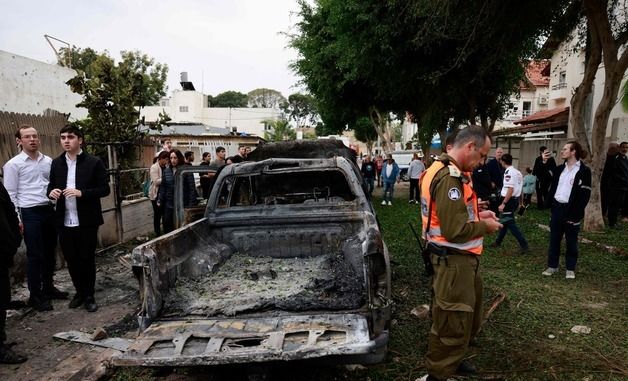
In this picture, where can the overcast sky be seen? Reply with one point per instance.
(222, 44)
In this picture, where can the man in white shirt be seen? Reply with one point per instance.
(511, 200)
(26, 178)
(569, 195)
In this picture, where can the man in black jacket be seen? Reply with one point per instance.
(568, 196)
(10, 240)
(544, 168)
(77, 182)
(618, 184)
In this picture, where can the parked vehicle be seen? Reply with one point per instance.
(403, 159)
(287, 263)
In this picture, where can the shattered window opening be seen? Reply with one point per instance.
(285, 188)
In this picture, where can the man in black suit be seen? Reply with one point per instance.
(544, 167)
(77, 182)
(10, 240)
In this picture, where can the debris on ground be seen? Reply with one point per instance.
(496, 302)
(116, 343)
(581, 329)
(422, 311)
(99, 334)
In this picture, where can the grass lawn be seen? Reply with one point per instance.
(528, 336)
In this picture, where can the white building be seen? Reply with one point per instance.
(533, 94)
(567, 71)
(31, 87)
(190, 106)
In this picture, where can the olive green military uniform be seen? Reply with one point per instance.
(456, 283)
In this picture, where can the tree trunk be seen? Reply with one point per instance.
(593, 60)
(442, 134)
(614, 70)
(382, 128)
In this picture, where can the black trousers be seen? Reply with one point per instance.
(542, 189)
(40, 237)
(157, 215)
(414, 190)
(616, 198)
(79, 249)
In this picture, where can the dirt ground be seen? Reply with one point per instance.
(54, 359)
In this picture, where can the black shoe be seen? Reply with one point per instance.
(466, 369)
(39, 303)
(90, 304)
(55, 293)
(494, 245)
(7, 356)
(76, 301)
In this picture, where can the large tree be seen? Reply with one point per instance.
(375, 57)
(113, 92)
(229, 99)
(606, 41)
(301, 108)
(364, 132)
(265, 98)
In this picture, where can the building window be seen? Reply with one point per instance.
(164, 103)
(527, 109)
(183, 108)
(562, 78)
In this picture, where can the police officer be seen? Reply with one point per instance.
(454, 228)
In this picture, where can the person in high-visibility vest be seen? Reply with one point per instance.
(454, 226)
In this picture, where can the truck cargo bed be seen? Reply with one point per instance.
(248, 283)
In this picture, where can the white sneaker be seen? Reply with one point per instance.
(550, 271)
(570, 274)
(389, 203)
(384, 202)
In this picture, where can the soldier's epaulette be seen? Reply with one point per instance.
(454, 172)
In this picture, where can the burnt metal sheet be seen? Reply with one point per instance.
(223, 341)
(118, 343)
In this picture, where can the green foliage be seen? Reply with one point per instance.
(364, 130)
(465, 57)
(280, 131)
(265, 98)
(113, 93)
(229, 99)
(301, 108)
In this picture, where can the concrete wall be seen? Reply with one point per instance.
(29, 86)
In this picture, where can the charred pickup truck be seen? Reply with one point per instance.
(287, 263)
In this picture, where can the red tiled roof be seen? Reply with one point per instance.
(543, 116)
(535, 71)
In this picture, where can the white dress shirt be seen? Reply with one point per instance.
(565, 182)
(512, 179)
(71, 218)
(27, 180)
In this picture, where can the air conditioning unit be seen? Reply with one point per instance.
(543, 100)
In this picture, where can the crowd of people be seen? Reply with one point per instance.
(162, 174)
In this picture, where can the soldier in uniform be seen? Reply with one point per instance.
(454, 227)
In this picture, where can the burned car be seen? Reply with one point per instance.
(287, 263)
